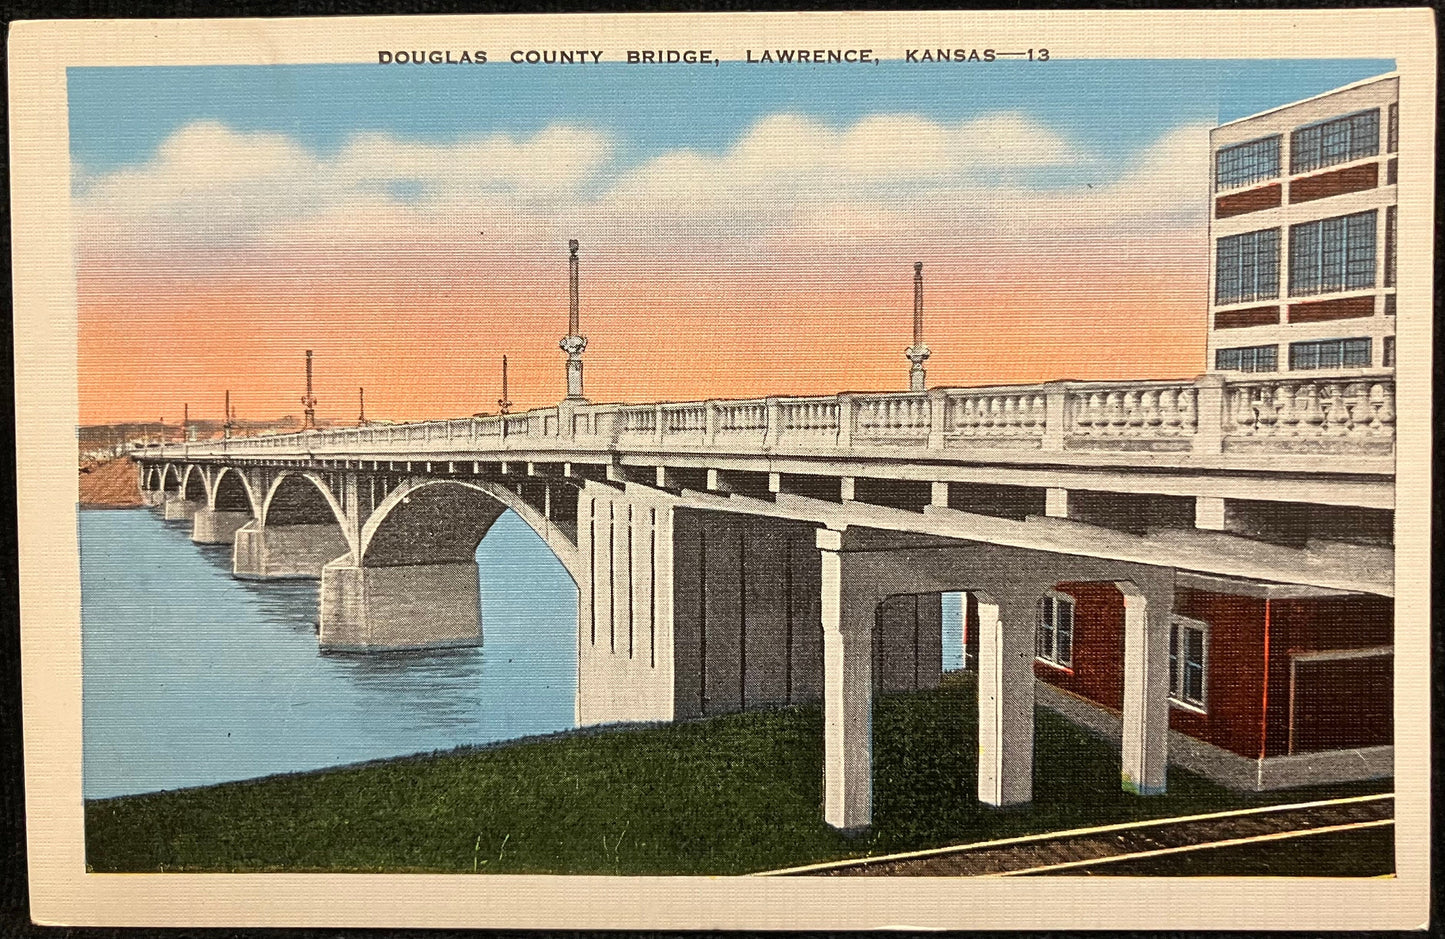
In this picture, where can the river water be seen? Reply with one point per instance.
(192, 677)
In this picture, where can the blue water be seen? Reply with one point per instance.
(192, 677)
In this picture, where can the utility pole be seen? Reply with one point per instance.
(185, 422)
(504, 404)
(226, 424)
(918, 353)
(574, 342)
(361, 418)
(308, 402)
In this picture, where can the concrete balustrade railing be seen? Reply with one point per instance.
(1344, 412)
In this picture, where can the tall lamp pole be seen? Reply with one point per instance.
(308, 402)
(574, 342)
(918, 353)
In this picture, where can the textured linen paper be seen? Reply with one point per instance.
(875, 433)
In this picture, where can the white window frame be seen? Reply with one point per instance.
(1055, 597)
(1176, 674)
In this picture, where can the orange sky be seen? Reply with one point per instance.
(430, 346)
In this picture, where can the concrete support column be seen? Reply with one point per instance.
(1146, 693)
(286, 551)
(212, 527)
(847, 693)
(1209, 513)
(175, 508)
(1056, 503)
(417, 606)
(1005, 700)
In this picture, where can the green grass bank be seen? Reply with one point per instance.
(727, 795)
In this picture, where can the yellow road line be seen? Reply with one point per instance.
(1229, 843)
(1068, 833)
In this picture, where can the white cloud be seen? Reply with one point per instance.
(894, 181)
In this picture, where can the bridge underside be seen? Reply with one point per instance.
(702, 592)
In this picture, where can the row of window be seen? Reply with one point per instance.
(1303, 356)
(1338, 140)
(1054, 635)
(1325, 256)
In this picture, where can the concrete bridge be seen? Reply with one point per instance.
(735, 554)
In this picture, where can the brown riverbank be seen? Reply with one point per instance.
(113, 484)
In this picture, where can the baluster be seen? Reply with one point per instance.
(1007, 415)
(1133, 414)
(1113, 413)
(1361, 414)
(1149, 412)
(1384, 396)
(1246, 418)
(1083, 421)
(1286, 417)
(1169, 413)
(1310, 416)
(965, 416)
(1098, 420)
(1264, 406)
(1337, 415)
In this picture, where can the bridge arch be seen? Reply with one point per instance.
(302, 498)
(171, 478)
(231, 491)
(150, 477)
(431, 520)
(195, 487)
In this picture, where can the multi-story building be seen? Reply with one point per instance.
(1273, 685)
(1302, 234)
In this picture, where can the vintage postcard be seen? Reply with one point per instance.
(912, 470)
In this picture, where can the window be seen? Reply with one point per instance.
(1247, 359)
(1389, 360)
(1330, 353)
(1393, 136)
(1055, 633)
(1188, 658)
(1247, 267)
(1246, 163)
(1336, 141)
(1332, 254)
(1390, 246)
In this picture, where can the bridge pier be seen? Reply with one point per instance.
(414, 606)
(217, 527)
(873, 581)
(1005, 699)
(176, 508)
(848, 619)
(286, 551)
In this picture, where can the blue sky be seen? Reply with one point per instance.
(118, 116)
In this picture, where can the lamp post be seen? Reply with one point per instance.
(308, 402)
(504, 403)
(574, 342)
(918, 353)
